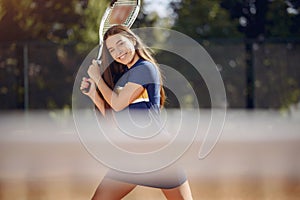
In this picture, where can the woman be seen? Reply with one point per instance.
(139, 87)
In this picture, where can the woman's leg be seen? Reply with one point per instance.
(182, 192)
(112, 190)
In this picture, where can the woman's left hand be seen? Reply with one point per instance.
(94, 71)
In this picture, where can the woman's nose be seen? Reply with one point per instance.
(119, 51)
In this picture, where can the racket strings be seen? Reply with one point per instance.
(131, 16)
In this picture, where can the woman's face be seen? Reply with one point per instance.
(121, 49)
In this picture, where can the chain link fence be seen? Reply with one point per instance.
(40, 75)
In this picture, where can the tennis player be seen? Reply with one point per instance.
(132, 81)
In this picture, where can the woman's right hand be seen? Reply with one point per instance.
(88, 87)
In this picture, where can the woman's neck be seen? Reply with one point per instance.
(133, 61)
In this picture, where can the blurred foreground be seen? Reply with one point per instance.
(257, 157)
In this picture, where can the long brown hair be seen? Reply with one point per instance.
(114, 70)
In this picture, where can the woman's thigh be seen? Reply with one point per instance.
(182, 192)
(110, 189)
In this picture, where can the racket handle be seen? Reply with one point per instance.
(86, 90)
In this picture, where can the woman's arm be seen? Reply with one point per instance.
(121, 100)
(99, 102)
(118, 101)
(93, 94)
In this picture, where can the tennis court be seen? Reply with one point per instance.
(257, 157)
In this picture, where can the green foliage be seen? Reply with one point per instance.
(276, 18)
(203, 19)
(86, 33)
(281, 23)
(59, 21)
(39, 20)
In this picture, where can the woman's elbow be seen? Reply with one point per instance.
(118, 108)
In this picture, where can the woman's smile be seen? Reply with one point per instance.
(121, 49)
(122, 57)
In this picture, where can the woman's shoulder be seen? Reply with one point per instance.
(146, 65)
(143, 71)
(145, 62)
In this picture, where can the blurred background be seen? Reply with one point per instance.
(255, 45)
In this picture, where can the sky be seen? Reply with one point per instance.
(161, 6)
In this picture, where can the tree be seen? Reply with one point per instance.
(203, 19)
(86, 32)
(39, 20)
(283, 19)
(260, 20)
(254, 21)
(265, 19)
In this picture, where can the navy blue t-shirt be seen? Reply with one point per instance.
(146, 74)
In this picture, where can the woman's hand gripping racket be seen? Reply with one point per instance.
(118, 12)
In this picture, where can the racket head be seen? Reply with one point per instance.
(122, 12)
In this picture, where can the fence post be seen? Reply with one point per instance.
(250, 75)
(26, 76)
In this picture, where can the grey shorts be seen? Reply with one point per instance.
(163, 179)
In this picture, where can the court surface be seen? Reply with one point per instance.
(257, 157)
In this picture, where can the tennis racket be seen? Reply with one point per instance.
(123, 12)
